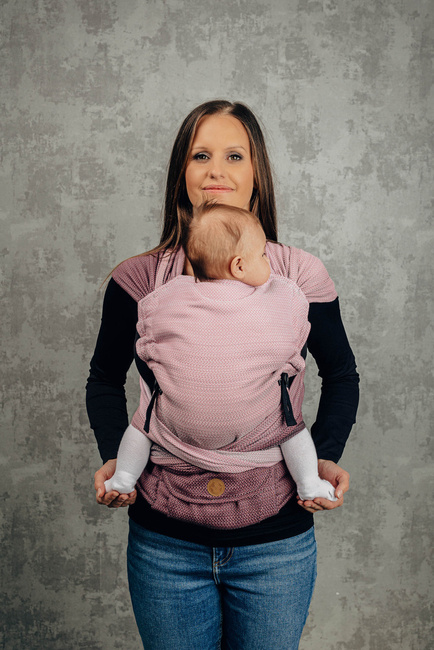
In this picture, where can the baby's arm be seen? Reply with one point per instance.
(133, 456)
(300, 457)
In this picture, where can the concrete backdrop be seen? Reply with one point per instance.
(92, 94)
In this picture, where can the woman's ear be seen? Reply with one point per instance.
(237, 268)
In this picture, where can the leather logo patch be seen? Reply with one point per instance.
(215, 487)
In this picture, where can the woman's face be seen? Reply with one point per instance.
(220, 165)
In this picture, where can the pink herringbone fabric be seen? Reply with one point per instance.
(138, 275)
(191, 449)
(217, 350)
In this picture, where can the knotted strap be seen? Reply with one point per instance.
(170, 450)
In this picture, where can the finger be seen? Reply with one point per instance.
(119, 503)
(310, 506)
(329, 505)
(99, 482)
(100, 493)
(108, 498)
(301, 504)
(130, 499)
(101, 497)
(312, 511)
(116, 503)
(105, 472)
(122, 500)
(343, 485)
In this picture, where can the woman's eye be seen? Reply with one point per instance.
(235, 156)
(200, 156)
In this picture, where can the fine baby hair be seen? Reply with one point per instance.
(214, 237)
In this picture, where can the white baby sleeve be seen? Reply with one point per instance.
(133, 456)
(300, 457)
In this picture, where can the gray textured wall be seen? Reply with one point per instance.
(92, 94)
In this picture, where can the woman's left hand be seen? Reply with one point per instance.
(338, 477)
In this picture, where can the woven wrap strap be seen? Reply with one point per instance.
(170, 450)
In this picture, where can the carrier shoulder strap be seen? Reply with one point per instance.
(162, 265)
(160, 279)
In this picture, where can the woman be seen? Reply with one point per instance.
(196, 585)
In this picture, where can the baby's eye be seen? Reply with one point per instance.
(235, 156)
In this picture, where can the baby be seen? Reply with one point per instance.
(227, 243)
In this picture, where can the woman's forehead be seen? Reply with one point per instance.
(224, 129)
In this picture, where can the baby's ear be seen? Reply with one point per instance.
(236, 268)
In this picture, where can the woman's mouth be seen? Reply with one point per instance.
(217, 189)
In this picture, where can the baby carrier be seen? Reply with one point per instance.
(223, 354)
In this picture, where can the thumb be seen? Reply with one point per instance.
(99, 482)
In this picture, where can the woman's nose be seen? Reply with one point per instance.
(216, 170)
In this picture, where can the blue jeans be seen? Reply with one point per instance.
(191, 596)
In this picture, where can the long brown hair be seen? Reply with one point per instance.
(178, 208)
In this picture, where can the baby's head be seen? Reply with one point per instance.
(223, 242)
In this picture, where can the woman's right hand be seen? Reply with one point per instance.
(111, 499)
